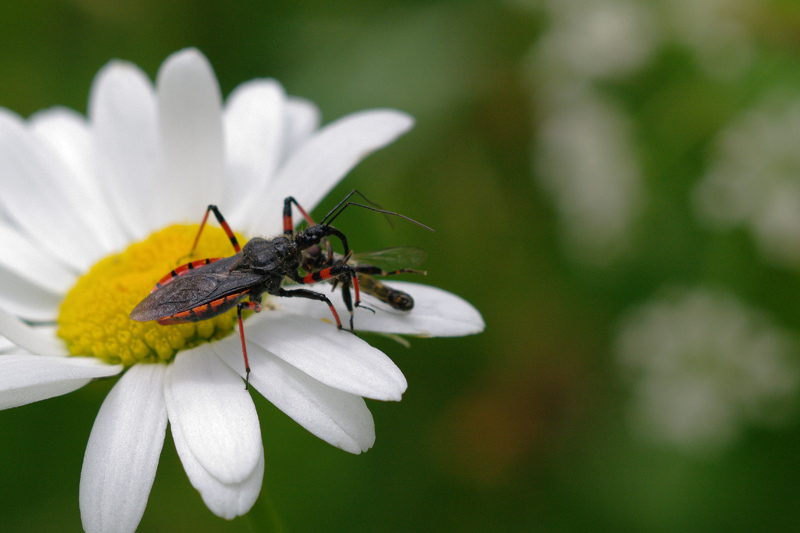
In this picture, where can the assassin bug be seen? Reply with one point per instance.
(203, 289)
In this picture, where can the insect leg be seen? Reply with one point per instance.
(253, 306)
(288, 226)
(346, 284)
(222, 223)
(332, 260)
(336, 271)
(348, 303)
(348, 300)
(311, 295)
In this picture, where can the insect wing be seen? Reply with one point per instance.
(184, 292)
(392, 258)
(193, 289)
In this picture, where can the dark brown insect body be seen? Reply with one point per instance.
(211, 290)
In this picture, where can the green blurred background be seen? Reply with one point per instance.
(614, 185)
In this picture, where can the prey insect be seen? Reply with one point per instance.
(206, 288)
(367, 265)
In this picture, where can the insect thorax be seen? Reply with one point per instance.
(278, 255)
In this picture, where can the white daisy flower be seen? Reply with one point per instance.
(88, 208)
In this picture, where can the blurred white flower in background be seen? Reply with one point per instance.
(585, 160)
(584, 155)
(703, 366)
(597, 39)
(754, 179)
(716, 31)
(601, 37)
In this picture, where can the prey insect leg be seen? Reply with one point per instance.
(348, 300)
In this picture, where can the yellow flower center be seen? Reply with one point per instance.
(94, 317)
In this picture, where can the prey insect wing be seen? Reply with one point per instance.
(391, 258)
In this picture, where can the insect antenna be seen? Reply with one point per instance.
(385, 213)
(341, 206)
(350, 195)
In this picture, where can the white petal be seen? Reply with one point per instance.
(207, 402)
(124, 122)
(123, 450)
(68, 136)
(32, 340)
(67, 133)
(327, 156)
(6, 346)
(254, 130)
(26, 299)
(224, 500)
(30, 378)
(334, 357)
(32, 282)
(35, 196)
(302, 119)
(436, 312)
(190, 124)
(26, 260)
(336, 417)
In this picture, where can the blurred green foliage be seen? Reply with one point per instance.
(524, 427)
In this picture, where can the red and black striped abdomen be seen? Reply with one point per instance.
(205, 311)
(182, 270)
